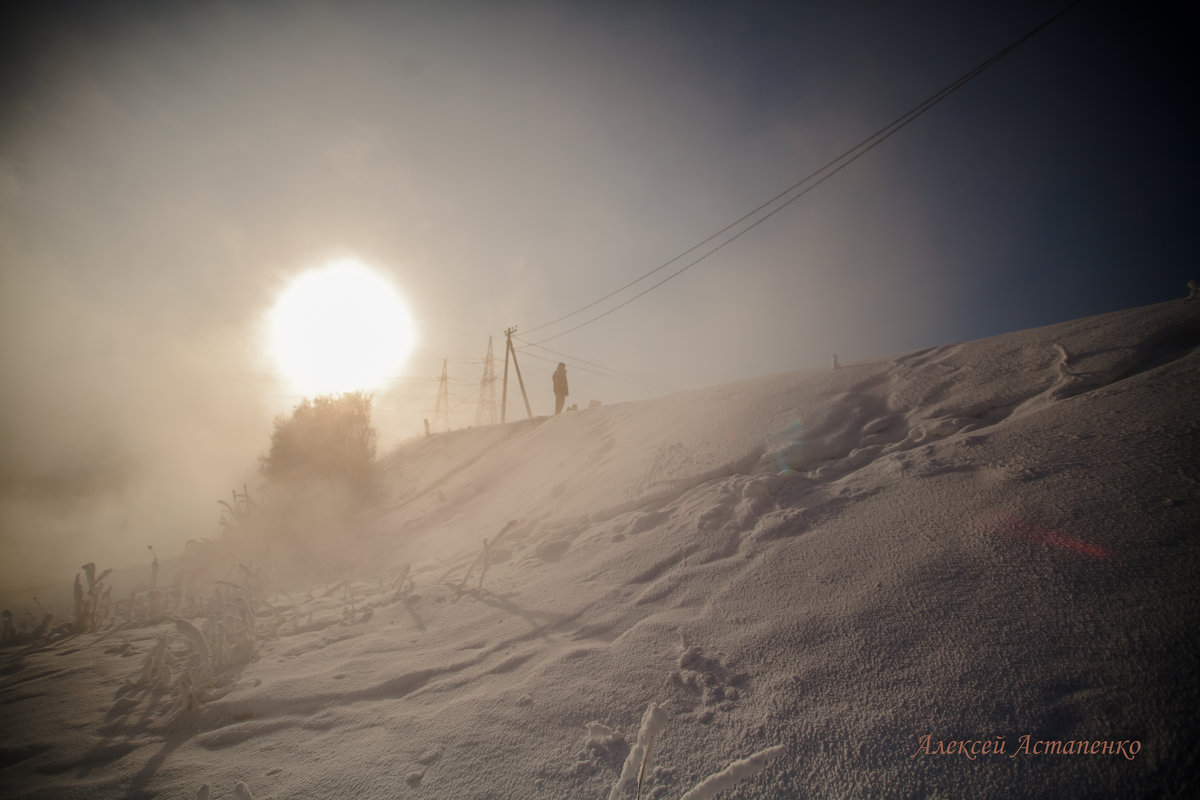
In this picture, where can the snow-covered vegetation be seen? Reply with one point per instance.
(966, 571)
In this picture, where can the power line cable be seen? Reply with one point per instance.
(594, 372)
(615, 373)
(832, 167)
(466, 399)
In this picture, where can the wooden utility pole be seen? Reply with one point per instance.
(510, 350)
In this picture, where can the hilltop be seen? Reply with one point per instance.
(973, 543)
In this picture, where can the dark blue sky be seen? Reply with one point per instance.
(1058, 184)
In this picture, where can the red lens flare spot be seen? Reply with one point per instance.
(1029, 531)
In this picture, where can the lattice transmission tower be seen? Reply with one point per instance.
(441, 409)
(486, 413)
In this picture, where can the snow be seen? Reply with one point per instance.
(971, 543)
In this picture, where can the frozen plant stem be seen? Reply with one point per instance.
(639, 755)
(487, 560)
(153, 568)
(737, 771)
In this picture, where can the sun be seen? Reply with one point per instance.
(340, 328)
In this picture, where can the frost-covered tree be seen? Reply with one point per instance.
(328, 438)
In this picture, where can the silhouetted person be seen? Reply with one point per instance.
(560, 387)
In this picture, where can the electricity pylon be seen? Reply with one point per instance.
(486, 413)
(441, 409)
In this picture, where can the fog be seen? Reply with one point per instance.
(164, 173)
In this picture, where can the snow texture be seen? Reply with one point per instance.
(879, 569)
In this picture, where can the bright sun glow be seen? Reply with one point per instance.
(339, 328)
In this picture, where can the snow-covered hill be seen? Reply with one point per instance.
(989, 542)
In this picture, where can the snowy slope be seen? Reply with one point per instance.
(975, 542)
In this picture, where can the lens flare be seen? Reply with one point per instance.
(1027, 530)
(789, 447)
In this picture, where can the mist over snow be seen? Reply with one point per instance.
(866, 567)
(168, 169)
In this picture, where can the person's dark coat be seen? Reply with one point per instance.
(560, 381)
(560, 387)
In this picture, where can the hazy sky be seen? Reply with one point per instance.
(165, 170)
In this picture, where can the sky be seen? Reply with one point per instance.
(166, 171)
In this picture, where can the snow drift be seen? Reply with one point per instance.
(966, 571)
